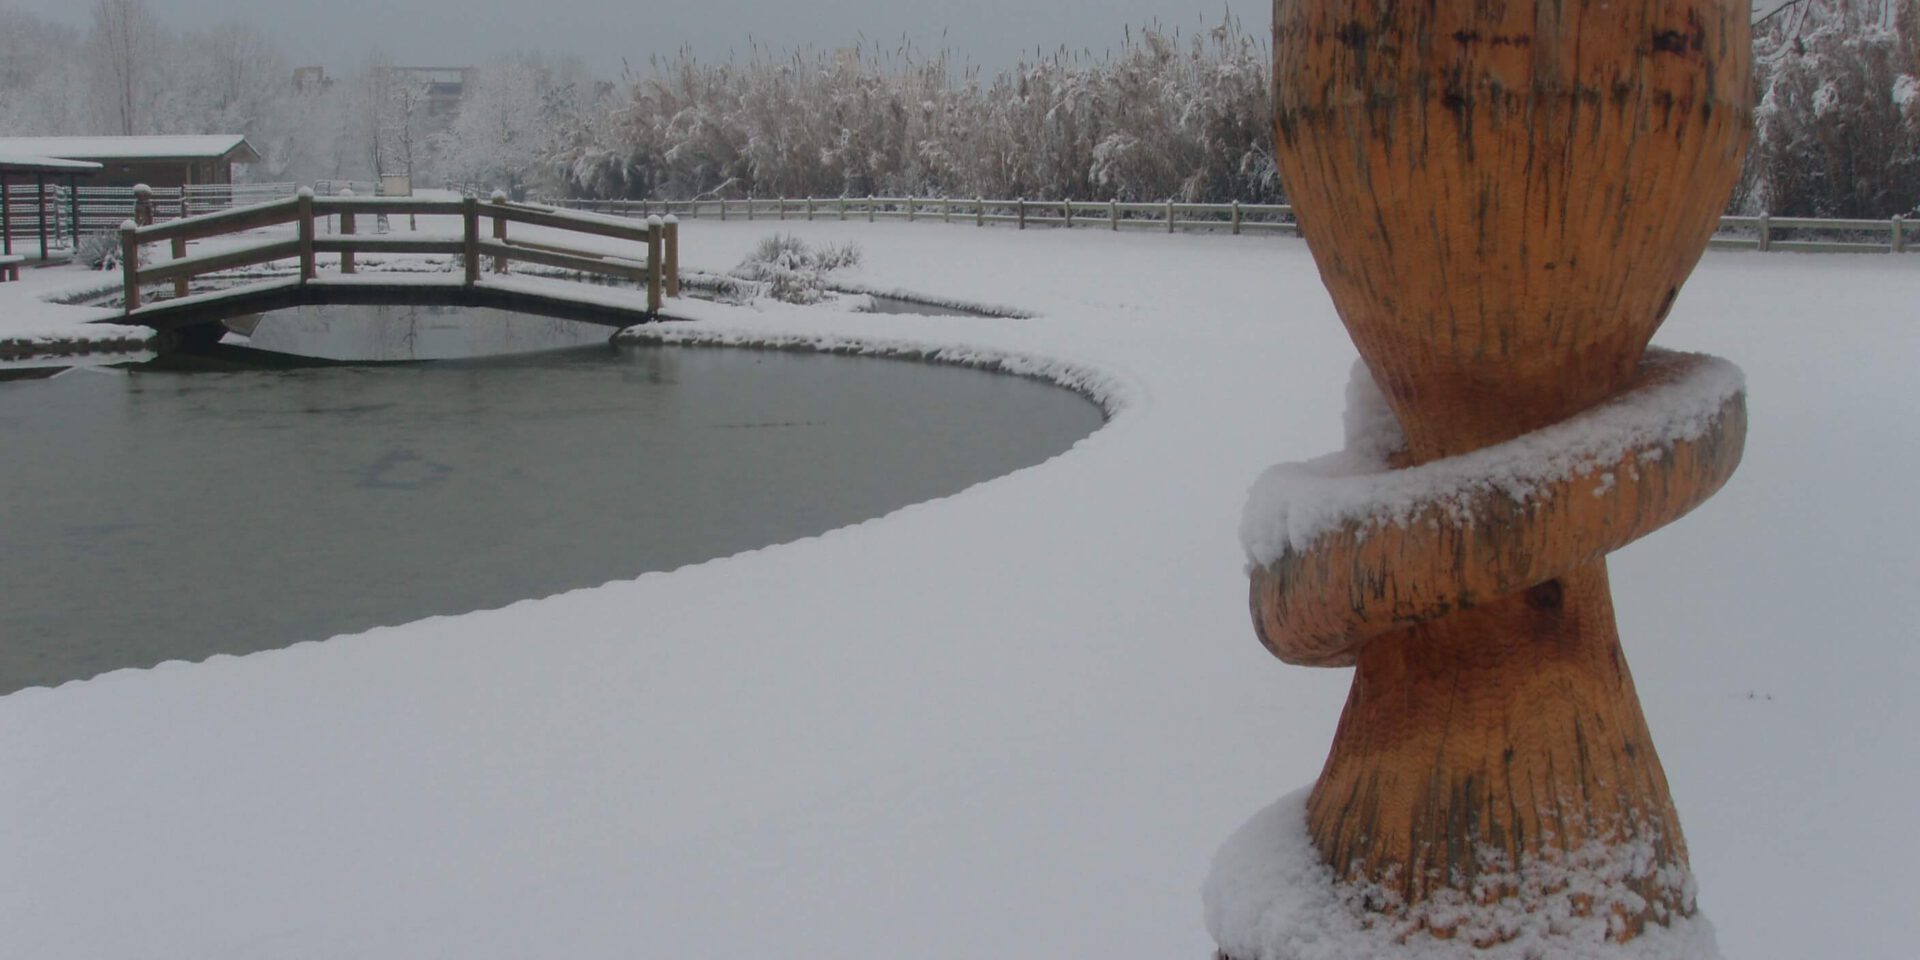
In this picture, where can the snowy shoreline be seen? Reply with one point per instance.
(1017, 720)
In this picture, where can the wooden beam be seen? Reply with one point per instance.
(224, 260)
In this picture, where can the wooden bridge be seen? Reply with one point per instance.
(481, 278)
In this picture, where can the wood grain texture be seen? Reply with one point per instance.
(1504, 198)
(1317, 607)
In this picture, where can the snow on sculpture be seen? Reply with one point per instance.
(1504, 201)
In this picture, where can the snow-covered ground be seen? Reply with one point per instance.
(1016, 722)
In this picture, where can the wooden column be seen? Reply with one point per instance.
(308, 268)
(499, 230)
(1504, 201)
(349, 226)
(470, 238)
(130, 265)
(6, 215)
(40, 201)
(671, 239)
(73, 209)
(656, 228)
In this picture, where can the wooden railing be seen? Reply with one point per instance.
(1802, 234)
(657, 269)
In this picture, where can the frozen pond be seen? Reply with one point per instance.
(151, 514)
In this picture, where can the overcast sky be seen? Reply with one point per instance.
(993, 33)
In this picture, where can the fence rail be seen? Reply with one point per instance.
(1799, 234)
(657, 269)
(68, 214)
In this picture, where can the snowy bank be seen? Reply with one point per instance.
(1018, 721)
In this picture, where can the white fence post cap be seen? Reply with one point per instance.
(671, 220)
(128, 226)
(142, 188)
(655, 221)
(499, 196)
(306, 193)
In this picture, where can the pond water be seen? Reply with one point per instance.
(151, 514)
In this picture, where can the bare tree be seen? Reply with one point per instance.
(123, 40)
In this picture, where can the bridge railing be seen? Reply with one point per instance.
(656, 269)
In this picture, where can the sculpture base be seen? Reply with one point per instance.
(1270, 897)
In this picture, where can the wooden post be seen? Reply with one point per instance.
(142, 205)
(308, 269)
(1113, 215)
(130, 264)
(870, 206)
(40, 198)
(347, 228)
(672, 241)
(180, 284)
(946, 209)
(1020, 211)
(809, 208)
(1066, 209)
(1236, 218)
(909, 208)
(979, 211)
(1766, 233)
(470, 237)
(655, 266)
(499, 229)
(843, 206)
(751, 203)
(6, 215)
(782, 206)
(1169, 216)
(1899, 236)
(73, 209)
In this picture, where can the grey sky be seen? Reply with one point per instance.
(993, 33)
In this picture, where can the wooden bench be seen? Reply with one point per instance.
(10, 266)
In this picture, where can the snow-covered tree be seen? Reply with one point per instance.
(1838, 127)
(512, 119)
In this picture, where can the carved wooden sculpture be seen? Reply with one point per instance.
(1504, 199)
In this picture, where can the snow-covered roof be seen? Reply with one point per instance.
(22, 163)
(210, 147)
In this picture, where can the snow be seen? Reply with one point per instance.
(125, 148)
(1294, 504)
(1270, 898)
(9, 159)
(1014, 722)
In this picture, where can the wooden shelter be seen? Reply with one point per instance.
(163, 162)
(36, 170)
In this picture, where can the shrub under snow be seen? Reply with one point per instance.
(793, 271)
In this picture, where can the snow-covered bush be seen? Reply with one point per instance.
(99, 250)
(792, 271)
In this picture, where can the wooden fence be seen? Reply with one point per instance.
(656, 270)
(73, 213)
(1801, 234)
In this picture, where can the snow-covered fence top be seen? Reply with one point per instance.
(654, 267)
(1800, 234)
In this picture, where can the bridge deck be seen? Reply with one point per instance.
(609, 307)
